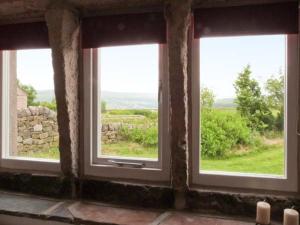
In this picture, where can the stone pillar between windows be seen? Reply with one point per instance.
(64, 26)
(178, 16)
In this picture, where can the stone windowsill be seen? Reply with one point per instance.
(82, 212)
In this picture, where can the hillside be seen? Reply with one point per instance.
(225, 103)
(45, 95)
(119, 100)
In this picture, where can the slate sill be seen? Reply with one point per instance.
(74, 212)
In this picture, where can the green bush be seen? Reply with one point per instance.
(279, 121)
(147, 136)
(50, 105)
(221, 131)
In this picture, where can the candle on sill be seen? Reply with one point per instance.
(291, 217)
(263, 213)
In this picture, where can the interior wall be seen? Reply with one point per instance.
(63, 20)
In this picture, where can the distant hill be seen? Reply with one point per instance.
(45, 95)
(225, 103)
(119, 100)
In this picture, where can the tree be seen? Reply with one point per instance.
(251, 103)
(275, 98)
(30, 91)
(275, 92)
(207, 98)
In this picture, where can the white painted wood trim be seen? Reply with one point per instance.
(289, 182)
(6, 161)
(95, 166)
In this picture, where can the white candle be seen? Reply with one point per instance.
(291, 217)
(263, 213)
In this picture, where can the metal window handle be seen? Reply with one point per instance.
(129, 164)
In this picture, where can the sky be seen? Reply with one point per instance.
(34, 67)
(135, 68)
(129, 68)
(223, 58)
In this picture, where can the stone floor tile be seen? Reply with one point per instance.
(61, 212)
(192, 219)
(112, 215)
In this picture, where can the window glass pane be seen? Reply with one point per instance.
(32, 105)
(129, 101)
(242, 95)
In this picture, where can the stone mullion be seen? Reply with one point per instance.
(63, 26)
(178, 15)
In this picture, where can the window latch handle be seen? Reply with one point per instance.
(127, 164)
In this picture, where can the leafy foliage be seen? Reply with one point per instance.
(275, 98)
(30, 91)
(50, 105)
(147, 136)
(221, 131)
(207, 98)
(275, 92)
(31, 97)
(251, 103)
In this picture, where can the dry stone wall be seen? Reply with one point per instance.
(37, 129)
(110, 133)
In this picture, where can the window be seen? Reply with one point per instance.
(28, 111)
(244, 97)
(126, 112)
(126, 96)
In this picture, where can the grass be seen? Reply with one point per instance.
(132, 117)
(129, 149)
(265, 160)
(52, 153)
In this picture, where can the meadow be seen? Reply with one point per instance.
(226, 142)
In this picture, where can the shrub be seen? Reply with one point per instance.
(147, 136)
(50, 105)
(279, 121)
(221, 131)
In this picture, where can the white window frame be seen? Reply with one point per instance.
(103, 166)
(289, 182)
(7, 161)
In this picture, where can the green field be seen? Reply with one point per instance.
(52, 153)
(129, 149)
(264, 157)
(268, 159)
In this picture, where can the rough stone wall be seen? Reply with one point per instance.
(178, 15)
(110, 133)
(64, 36)
(37, 129)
